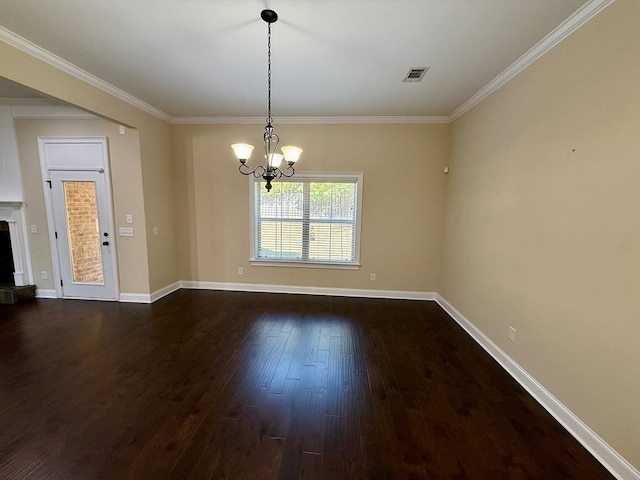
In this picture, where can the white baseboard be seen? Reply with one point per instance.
(601, 450)
(149, 298)
(135, 298)
(163, 292)
(330, 291)
(124, 297)
(43, 293)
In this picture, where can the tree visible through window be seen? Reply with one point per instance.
(307, 219)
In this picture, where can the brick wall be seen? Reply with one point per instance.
(84, 233)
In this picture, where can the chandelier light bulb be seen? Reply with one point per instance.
(275, 159)
(242, 150)
(291, 153)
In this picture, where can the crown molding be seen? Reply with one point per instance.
(36, 51)
(40, 53)
(44, 108)
(588, 11)
(310, 120)
(217, 120)
(32, 102)
(55, 112)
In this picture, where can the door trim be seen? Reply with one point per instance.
(46, 179)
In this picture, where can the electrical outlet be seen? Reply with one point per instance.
(512, 334)
(373, 276)
(240, 271)
(129, 218)
(34, 229)
(44, 275)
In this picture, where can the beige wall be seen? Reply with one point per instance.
(126, 178)
(542, 225)
(155, 159)
(160, 205)
(402, 197)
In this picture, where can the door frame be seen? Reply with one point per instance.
(46, 182)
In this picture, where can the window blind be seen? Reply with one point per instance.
(307, 220)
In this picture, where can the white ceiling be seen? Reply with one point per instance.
(207, 58)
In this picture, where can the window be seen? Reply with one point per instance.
(309, 219)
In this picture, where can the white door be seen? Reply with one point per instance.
(84, 238)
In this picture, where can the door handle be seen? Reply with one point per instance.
(105, 243)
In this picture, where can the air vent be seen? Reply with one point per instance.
(415, 74)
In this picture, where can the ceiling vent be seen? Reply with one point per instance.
(415, 74)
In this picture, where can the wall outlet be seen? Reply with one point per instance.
(512, 334)
(373, 276)
(44, 275)
(34, 229)
(129, 218)
(240, 271)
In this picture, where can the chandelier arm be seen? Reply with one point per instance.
(257, 172)
(243, 169)
(286, 173)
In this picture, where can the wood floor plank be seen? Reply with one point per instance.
(212, 385)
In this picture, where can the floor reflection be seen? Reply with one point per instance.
(300, 364)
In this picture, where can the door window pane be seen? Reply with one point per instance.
(84, 232)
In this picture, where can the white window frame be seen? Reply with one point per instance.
(308, 176)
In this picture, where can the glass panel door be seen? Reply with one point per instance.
(84, 232)
(85, 249)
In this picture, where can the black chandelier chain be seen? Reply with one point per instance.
(269, 119)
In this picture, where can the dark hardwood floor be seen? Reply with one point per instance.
(232, 385)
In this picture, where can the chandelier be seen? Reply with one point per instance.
(271, 169)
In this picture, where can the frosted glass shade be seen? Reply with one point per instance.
(242, 150)
(291, 153)
(275, 159)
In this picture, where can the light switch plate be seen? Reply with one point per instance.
(126, 231)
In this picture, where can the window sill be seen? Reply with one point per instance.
(302, 264)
